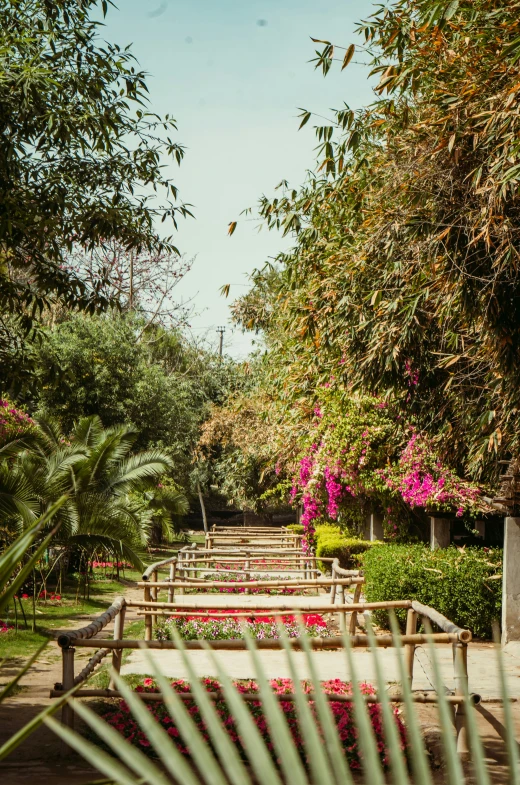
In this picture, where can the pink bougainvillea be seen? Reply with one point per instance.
(356, 456)
(14, 423)
(422, 480)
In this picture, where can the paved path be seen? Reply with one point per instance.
(332, 665)
(208, 600)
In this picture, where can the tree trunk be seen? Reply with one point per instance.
(203, 508)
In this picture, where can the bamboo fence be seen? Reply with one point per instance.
(191, 560)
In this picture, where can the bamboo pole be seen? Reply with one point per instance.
(148, 618)
(423, 697)
(342, 616)
(171, 589)
(234, 644)
(251, 609)
(409, 651)
(441, 621)
(180, 571)
(90, 666)
(460, 661)
(67, 712)
(194, 584)
(64, 639)
(117, 654)
(353, 615)
(225, 615)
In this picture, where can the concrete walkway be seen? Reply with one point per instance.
(483, 677)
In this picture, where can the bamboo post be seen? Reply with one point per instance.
(180, 568)
(460, 662)
(148, 619)
(171, 589)
(67, 713)
(117, 654)
(342, 616)
(247, 574)
(155, 589)
(333, 587)
(353, 615)
(409, 649)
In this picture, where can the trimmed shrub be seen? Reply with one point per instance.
(297, 528)
(464, 584)
(331, 543)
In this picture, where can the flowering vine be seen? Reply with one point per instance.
(14, 423)
(360, 451)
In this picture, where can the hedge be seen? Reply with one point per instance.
(463, 584)
(332, 543)
(345, 549)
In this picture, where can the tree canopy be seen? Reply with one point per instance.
(403, 278)
(160, 383)
(81, 161)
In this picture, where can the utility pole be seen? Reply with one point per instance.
(221, 331)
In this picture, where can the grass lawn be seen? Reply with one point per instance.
(72, 607)
(51, 616)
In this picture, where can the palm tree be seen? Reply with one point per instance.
(96, 469)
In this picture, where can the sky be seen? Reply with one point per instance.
(234, 74)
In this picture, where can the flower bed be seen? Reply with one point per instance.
(215, 627)
(120, 718)
(43, 597)
(5, 627)
(97, 565)
(230, 576)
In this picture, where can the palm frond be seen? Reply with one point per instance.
(270, 758)
(139, 469)
(87, 431)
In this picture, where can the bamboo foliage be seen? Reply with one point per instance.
(403, 277)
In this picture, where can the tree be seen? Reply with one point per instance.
(157, 381)
(403, 279)
(137, 280)
(80, 156)
(99, 474)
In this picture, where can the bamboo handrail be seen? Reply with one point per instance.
(156, 565)
(195, 583)
(261, 609)
(90, 666)
(417, 697)
(64, 639)
(232, 644)
(441, 621)
(217, 554)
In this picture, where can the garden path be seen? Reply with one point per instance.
(332, 665)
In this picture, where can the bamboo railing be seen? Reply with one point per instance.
(184, 572)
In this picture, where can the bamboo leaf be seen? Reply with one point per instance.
(349, 54)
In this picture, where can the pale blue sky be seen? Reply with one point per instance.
(233, 75)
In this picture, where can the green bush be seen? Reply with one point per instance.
(463, 584)
(297, 528)
(332, 543)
